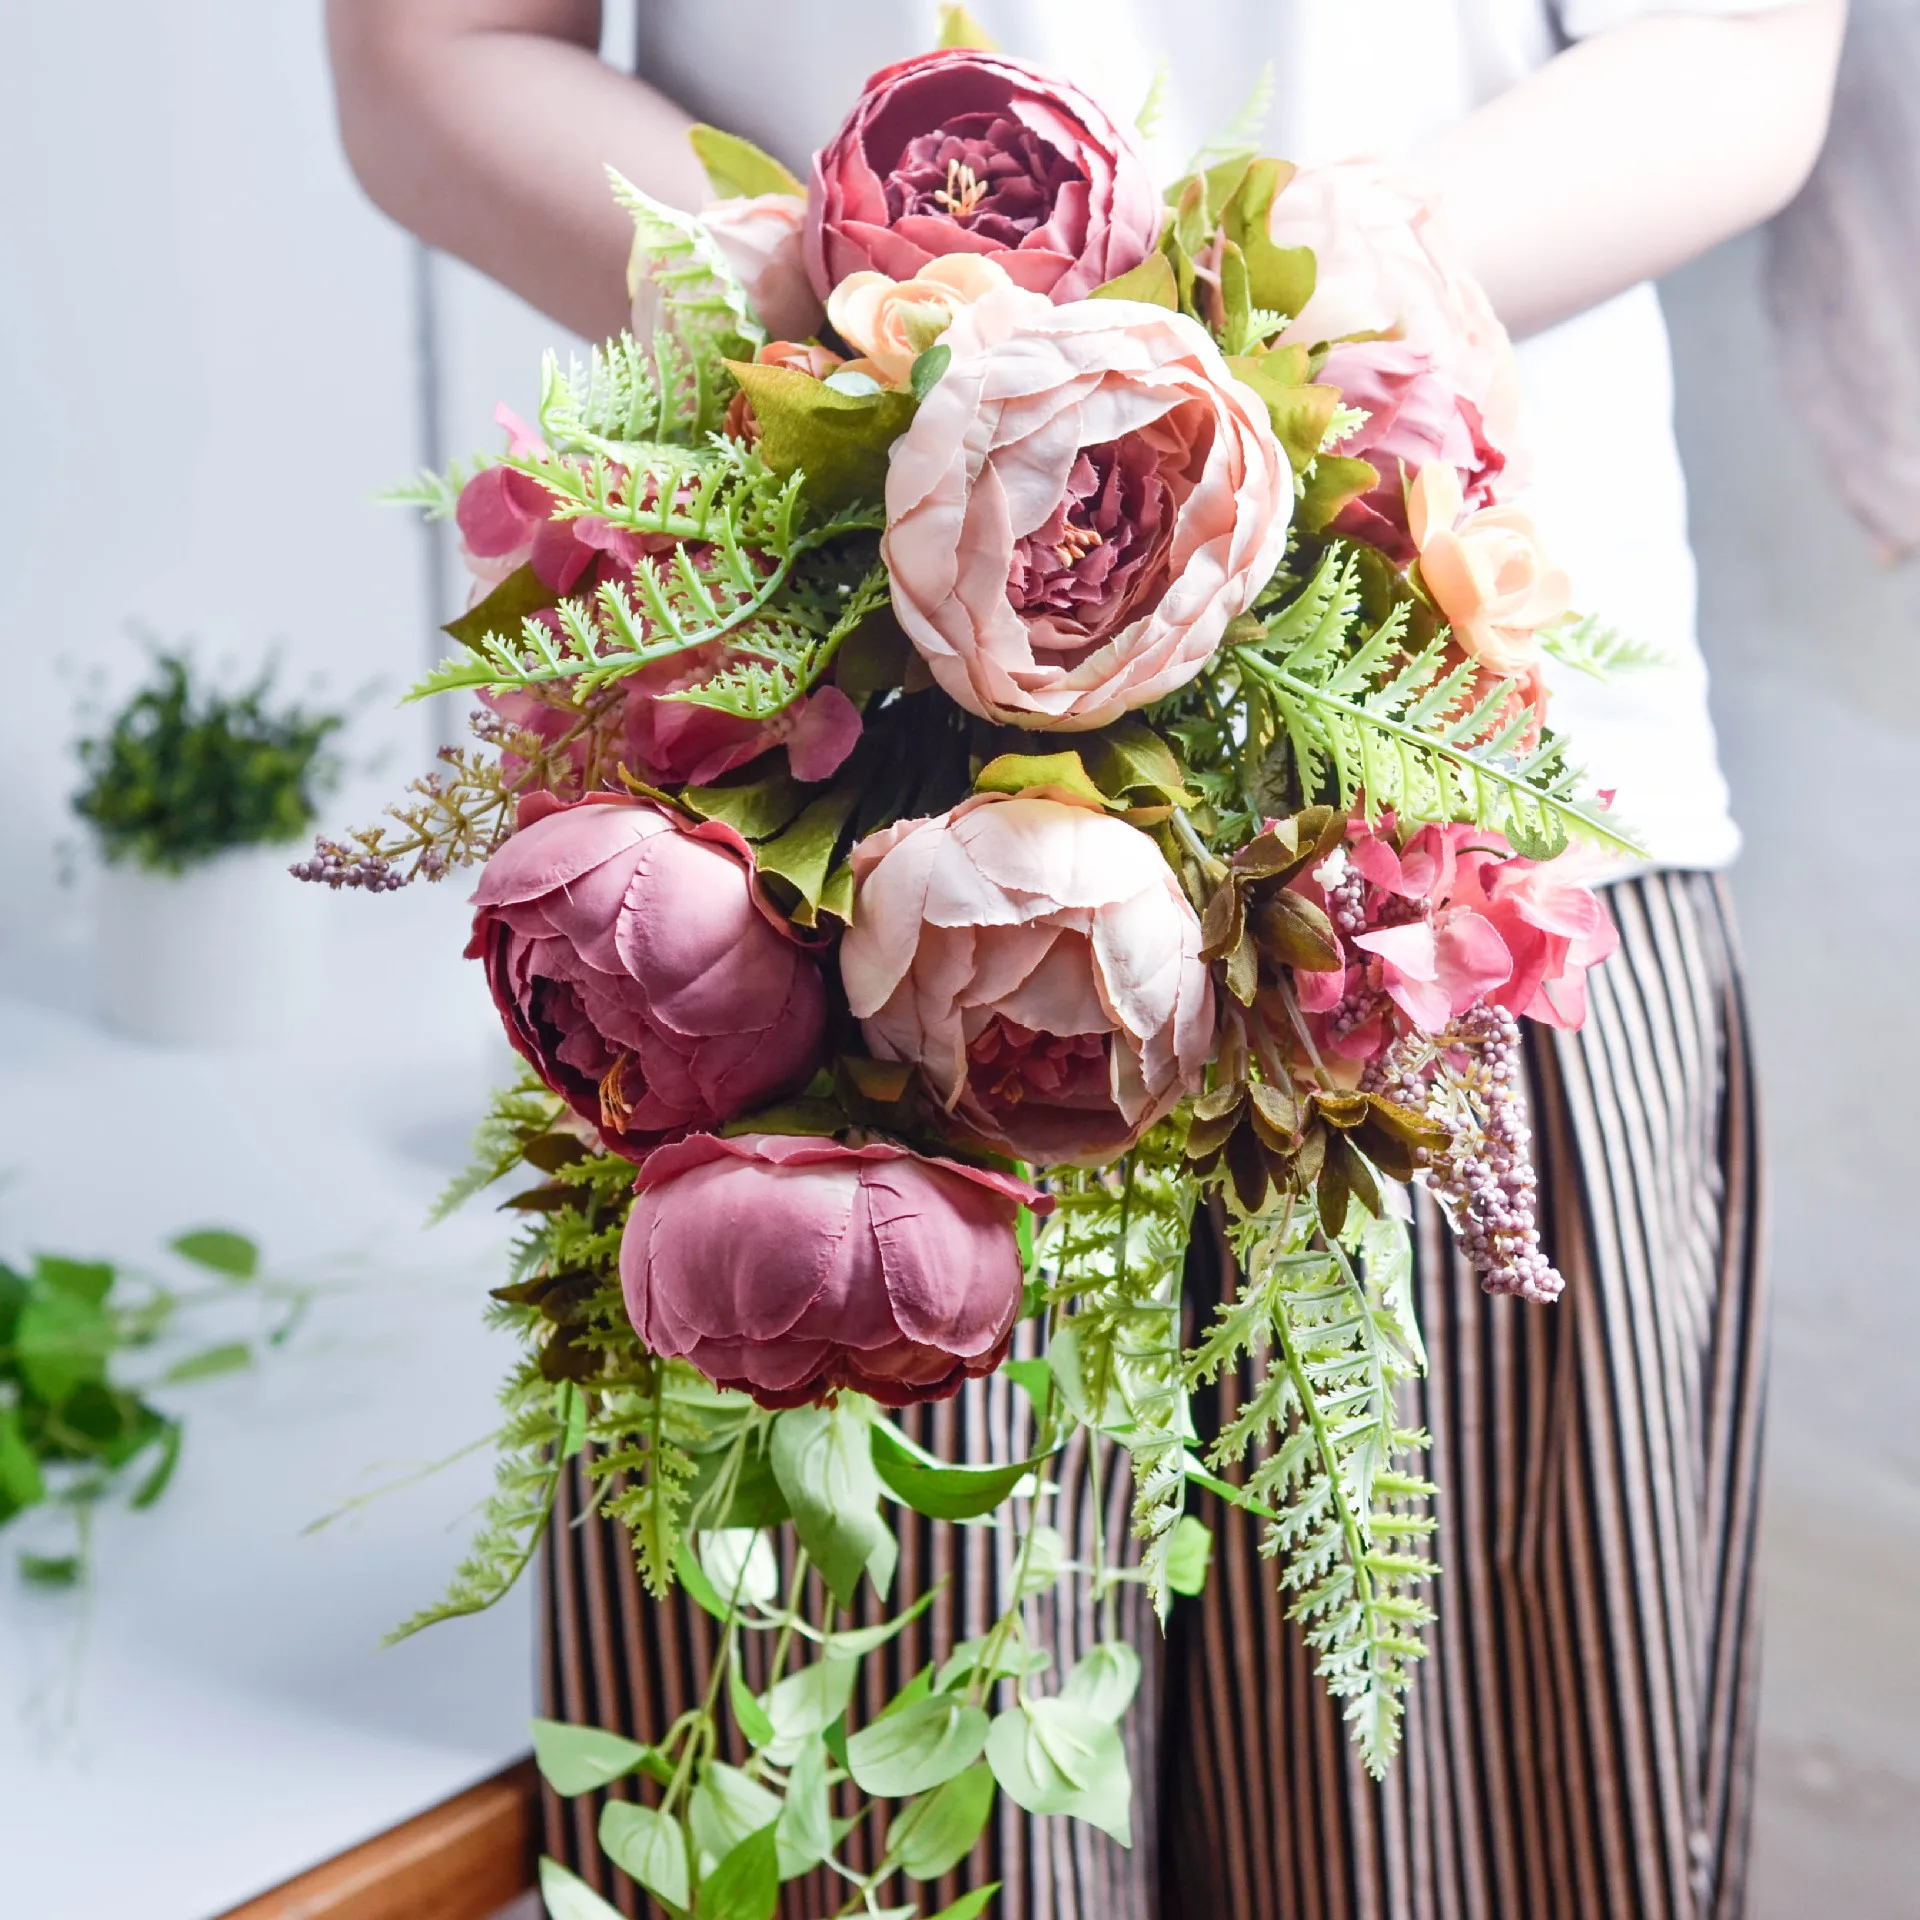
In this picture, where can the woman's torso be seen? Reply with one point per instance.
(1350, 76)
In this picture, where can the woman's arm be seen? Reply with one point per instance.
(1633, 151)
(485, 126)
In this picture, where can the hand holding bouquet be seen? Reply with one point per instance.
(1012, 725)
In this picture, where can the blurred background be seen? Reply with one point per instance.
(212, 353)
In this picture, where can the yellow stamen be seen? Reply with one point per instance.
(614, 1109)
(1076, 543)
(963, 192)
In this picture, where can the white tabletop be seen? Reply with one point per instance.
(215, 1714)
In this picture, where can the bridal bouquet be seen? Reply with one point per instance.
(1011, 734)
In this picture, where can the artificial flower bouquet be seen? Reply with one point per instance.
(1012, 736)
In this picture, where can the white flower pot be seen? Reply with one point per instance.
(224, 954)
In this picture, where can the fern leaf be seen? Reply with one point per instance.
(1348, 1521)
(1115, 1249)
(1600, 651)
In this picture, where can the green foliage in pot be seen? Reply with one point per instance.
(186, 771)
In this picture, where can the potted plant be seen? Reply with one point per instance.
(194, 795)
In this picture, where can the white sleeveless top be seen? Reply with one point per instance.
(1353, 76)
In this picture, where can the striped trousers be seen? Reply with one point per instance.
(1579, 1742)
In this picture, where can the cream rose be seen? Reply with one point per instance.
(1486, 572)
(1079, 507)
(1039, 963)
(891, 323)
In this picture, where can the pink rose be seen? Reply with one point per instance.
(790, 1267)
(1413, 418)
(963, 151)
(1486, 571)
(760, 237)
(1039, 963)
(1079, 507)
(1386, 264)
(637, 970)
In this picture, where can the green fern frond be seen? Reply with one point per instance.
(1240, 138)
(531, 1450)
(1358, 724)
(1601, 651)
(1153, 109)
(434, 495)
(1349, 1521)
(515, 1114)
(706, 316)
(1114, 1250)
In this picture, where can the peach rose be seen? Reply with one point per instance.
(891, 323)
(1079, 507)
(1486, 572)
(1040, 965)
(1387, 264)
(760, 237)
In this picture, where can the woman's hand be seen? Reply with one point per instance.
(1633, 151)
(486, 126)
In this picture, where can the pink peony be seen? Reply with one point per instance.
(1039, 963)
(760, 237)
(676, 742)
(1413, 418)
(1386, 264)
(1486, 572)
(790, 1267)
(963, 151)
(637, 970)
(1079, 507)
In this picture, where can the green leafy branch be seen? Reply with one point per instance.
(1328, 1477)
(1363, 717)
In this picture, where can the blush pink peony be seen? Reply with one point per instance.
(1079, 507)
(760, 237)
(789, 1267)
(1039, 963)
(1413, 419)
(965, 151)
(637, 970)
(1385, 263)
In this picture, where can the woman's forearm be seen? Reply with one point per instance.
(486, 127)
(1633, 151)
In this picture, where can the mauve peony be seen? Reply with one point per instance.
(636, 968)
(789, 1267)
(965, 151)
(759, 236)
(1413, 418)
(1486, 572)
(1385, 263)
(1078, 508)
(1040, 965)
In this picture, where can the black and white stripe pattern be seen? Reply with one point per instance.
(1579, 1742)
